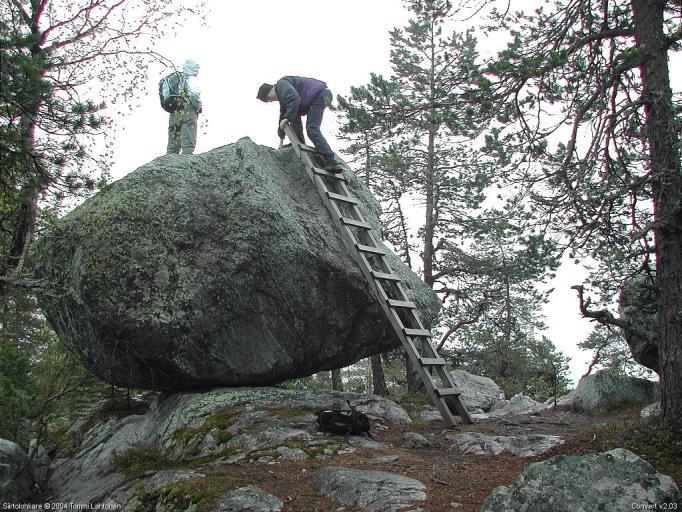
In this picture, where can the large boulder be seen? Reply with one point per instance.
(519, 404)
(604, 391)
(613, 481)
(215, 269)
(16, 476)
(478, 392)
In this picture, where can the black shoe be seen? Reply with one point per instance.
(331, 165)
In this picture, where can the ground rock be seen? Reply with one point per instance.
(219, 269)
(651, 410)
(614, 481)
(604, 391)
(223, 425)
(374, 491)
(529, 445)
(415, 440)
(477, 392)
(519, 404)
(16, 476)
(249, 499)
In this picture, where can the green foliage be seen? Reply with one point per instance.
(15, 389)
(42, 382)
(198, 494)
(520, 364)
(610, 352)
(651, 439)
(58, 60)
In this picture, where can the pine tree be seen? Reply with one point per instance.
(58, 59)
(588, 126)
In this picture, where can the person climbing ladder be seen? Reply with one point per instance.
(299, 96)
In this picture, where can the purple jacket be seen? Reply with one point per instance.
(295, 94)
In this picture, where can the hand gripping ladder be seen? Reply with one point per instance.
(384, 284)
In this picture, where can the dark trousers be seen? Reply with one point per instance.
(312, 125)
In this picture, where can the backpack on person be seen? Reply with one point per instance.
(343, 421)
(173, 91)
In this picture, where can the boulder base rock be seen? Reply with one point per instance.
(220, 269)
(115, 456)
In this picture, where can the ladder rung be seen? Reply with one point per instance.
(401, 304)
(322, 172)
(447, 392)
(356, 223)
(432, 361)
(340, 197)
(417, 332)
(368, 248)
(309, 149)
(385, 277)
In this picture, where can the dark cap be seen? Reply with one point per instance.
(263, 91)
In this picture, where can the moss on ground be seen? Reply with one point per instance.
(201, 493)
(137, 461)
(650, 439)
(289, 412)
(219, 421)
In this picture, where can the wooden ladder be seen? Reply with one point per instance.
(384, 284)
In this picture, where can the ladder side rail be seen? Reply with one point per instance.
(389, 311)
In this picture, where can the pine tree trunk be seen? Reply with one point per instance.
(414, 384)
(430, 220)
(26, 213)
(378, 378)
(337, 382)
(667, 187)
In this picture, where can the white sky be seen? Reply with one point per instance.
(247, 43)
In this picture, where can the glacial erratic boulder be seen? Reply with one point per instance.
(219, 269)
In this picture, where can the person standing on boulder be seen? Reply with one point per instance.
(299, 96)
(182, 123)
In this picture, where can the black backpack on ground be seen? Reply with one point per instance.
(343, 422)
(175, 92)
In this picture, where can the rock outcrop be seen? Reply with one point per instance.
(477, 392)
(121, 461)
(373, 491)
(530, 445)
(605, 391)
(219, 269)
(519, 404)
(16, 476)
(612, 481)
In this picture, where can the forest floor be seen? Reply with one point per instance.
(455, 480)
